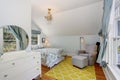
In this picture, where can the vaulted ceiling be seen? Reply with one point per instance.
(70, 17)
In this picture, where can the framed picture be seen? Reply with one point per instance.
(43, 40)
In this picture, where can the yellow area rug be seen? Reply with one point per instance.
(66, 71)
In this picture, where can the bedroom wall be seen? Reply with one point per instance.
(71, 44)
(16, 12)
(85, 20)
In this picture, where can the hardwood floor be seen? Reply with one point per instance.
(99, 72)
(44, 70)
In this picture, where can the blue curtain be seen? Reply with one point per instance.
(104, 30)
(17, 32)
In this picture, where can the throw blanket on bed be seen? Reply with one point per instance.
(50, 56)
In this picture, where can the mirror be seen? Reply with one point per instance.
(12, 38)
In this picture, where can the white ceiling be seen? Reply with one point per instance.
(41, 6)
(70, 17)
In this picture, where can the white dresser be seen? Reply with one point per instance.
(20, 65)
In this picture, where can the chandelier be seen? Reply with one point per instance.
(49, 15)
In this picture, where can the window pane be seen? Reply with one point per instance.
(34, 39)
(118, 28)
(9, 41)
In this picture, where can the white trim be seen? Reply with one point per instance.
(111, 73)
(106, 74)
(115, 71)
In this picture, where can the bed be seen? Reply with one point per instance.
(51, 56)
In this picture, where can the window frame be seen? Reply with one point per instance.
(111, 56)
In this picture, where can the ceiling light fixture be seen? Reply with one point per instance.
(49, 15)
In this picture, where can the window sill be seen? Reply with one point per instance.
(115, 71)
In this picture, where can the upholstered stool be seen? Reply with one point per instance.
(79, 61)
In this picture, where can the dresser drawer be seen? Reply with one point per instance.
(33, 73)
(28, 75)
(37, 61)
(36, 53)
(24, 61)
(16, 62)
(8, 74)
(24, 68)
(28, 61)
(7, 65)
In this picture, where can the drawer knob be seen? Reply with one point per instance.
(37, 61)
(5, 75)
(13, 63)
(33, 57)
(37, 69)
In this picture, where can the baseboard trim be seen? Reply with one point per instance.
(106, 74)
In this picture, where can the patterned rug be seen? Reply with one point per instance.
(65, 71)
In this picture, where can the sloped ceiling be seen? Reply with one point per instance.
(70, 17)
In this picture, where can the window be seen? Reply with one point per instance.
(34, 39)
(112, 56)
(9, 41)
(116, 43)
(116, 40)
